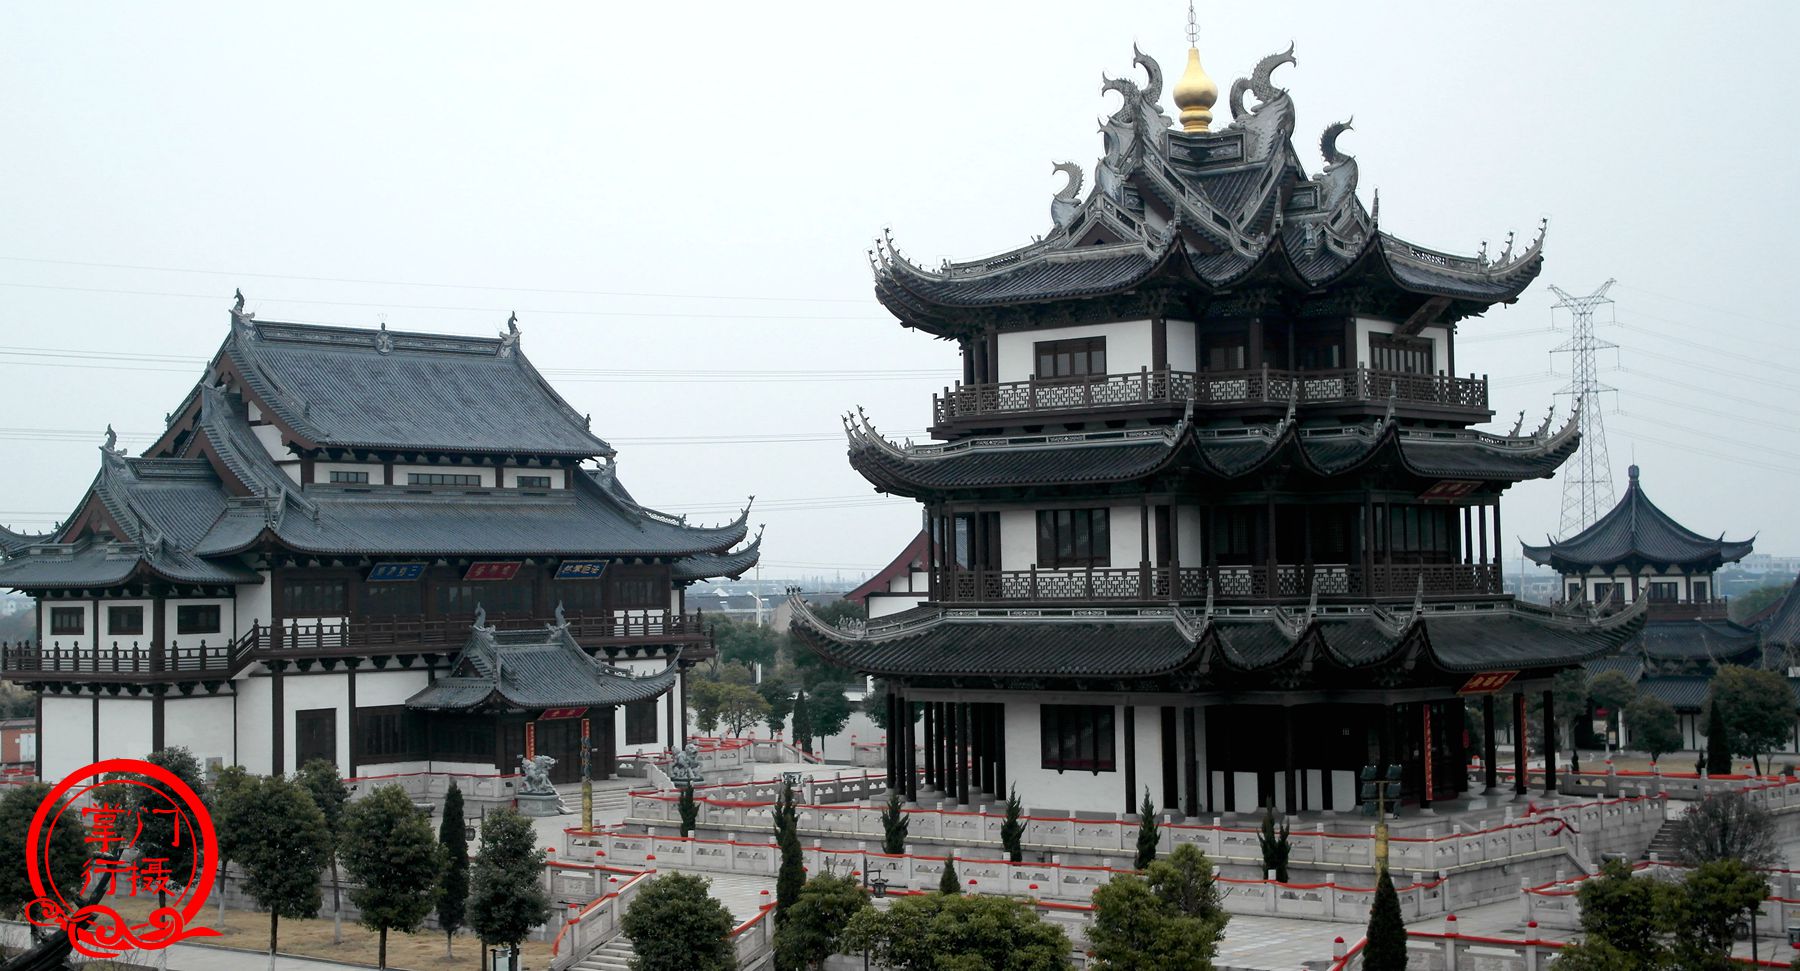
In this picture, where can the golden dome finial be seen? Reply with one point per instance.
(1195, 93)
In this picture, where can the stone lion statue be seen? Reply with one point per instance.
(537, 775)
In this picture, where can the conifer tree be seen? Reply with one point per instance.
(506, 886)
(689, 809)
(948, 883)
(894, 824)
(1147, 832)
(453, 893)
(1012, 831)
(1386, 947)
(791, 878)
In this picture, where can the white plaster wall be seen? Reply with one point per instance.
(322, 471)
(1018, 538)
(254, 604)
(203, 725)
(1183, 346)
(68, 742)
(883, 604)
(512, 477)
(1041, 788)
(1188, 535)
(227, 623)
(1123, 530)
(1150, 755)
(125, 727)
(304, 691)
(376, 688)
(1127, 347)
(253, 723)
(1437, 333)
(486, 474)
(270, 437)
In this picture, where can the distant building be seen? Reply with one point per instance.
(1636, 550)
(370, 547)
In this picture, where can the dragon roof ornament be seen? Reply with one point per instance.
(1259, 84)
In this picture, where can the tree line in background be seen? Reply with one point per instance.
(762, 678)
(281, 836)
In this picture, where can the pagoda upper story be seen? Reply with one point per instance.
(1214, 376)
(1636, 547)
(1226, 275)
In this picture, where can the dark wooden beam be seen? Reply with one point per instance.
(1425, 315)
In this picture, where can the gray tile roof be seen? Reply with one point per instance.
(534, 669)
(1715, 640)
(1245, 208)
(1035, 643)
(1782, 628)
(1678, 691)
(364, 388)
(1636, 531)
(704, 566)
(1217, 454)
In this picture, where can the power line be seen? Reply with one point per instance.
(435, 286)
(496, 311)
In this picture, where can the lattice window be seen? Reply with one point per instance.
(1077, 737)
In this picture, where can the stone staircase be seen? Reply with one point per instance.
(614, 955)
(1662, 845)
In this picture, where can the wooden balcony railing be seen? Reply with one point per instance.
(117, 660)
(1161, 584)
(381, 634)
(220, 657)
(1217, 388)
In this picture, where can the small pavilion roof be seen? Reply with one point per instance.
(1634, 533)
(1718, 641)
(1679, 691)
(534, 669)
(1078, 643)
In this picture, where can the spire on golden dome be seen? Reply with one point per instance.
(1195, 93)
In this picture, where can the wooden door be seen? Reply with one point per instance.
(315, 735)
(560, 738)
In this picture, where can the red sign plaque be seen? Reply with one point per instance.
(1487, 682)
(555, 713)
(492, 570)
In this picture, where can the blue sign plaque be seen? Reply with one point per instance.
(396, 571)
(581, 569)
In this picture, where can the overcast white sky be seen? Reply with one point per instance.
(676, 198)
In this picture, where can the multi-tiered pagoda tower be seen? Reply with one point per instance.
(1209, 515)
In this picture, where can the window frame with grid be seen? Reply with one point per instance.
(60, 621)
(190, 619)
(116, 623)
(532, 482)
(1061, 536)
(443, 479)
(1071, 358)
(349, 477)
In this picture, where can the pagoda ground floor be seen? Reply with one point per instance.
(274, 722)
(1201, 755)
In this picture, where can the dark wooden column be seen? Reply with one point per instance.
(681, 682)
(962, 753)
(891, 746)
(1427, 764)
(990, 778)
(1549, 742)
(278, 709)
(1171, 766)
(1192, 763)
(349, 716)
(1290, 791)
(1519, 735)
(1488, 746)
(911, 757)
(1000, 749)
(930, 743)
(159, 662)
(1131, 803)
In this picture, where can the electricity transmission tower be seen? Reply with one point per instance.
(1587, 479)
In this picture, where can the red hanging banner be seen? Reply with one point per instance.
(530, 741)
(1487, 682)
(1430, 756)
(551, 714)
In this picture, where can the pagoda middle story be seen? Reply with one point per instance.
(1208, 514)
(392, 551)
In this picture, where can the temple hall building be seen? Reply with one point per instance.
(395, 551)
(1638, 550)
(1208, 513)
